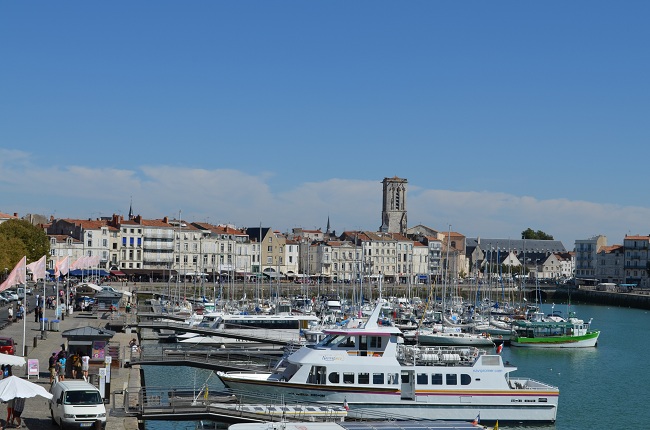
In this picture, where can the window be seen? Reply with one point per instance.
(451, 379)
(422, 379)
(348, 378)
(465, 379)
(334, 378)
(363, 378)
(378, 378)
(436, 379)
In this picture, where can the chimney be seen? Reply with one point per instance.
(16, 214)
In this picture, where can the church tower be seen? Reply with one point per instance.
(393, 212)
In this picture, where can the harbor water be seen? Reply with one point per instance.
(602, 387)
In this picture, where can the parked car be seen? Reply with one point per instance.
(7, 345)
(3, 300)
(12, 295)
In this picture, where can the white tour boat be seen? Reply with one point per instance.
(370, 370)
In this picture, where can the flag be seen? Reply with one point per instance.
(496, 426)
(62, 267)
(499, 348)
(38, 269)
(477, 419)
(345, 405)
(77, 264)
(17, 276)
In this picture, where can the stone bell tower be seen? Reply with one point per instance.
(393, 211)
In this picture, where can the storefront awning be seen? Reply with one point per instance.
(80, 342)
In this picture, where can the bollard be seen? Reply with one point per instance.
(35, 341)
(43, 334)
(25, 350)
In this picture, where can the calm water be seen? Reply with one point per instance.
(603, 387)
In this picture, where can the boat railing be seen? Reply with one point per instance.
(437, 355)
(528, 384)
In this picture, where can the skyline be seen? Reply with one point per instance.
(501, 116)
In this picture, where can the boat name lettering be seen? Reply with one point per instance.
(332, 358)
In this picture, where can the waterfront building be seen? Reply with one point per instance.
(586, 256)
(637, 260)
(558, 265)
(94, 236)
(610, 264)
(432, 239)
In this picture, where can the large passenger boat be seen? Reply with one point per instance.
(369, 369)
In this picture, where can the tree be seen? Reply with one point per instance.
(529, 233)
(19, 238)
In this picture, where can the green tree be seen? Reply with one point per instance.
(529, 233)
(19, 238)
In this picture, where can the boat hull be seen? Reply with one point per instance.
(588, 340)
(451, 405)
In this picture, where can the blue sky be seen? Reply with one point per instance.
(501, 115)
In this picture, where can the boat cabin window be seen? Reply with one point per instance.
(347, 343)
(348, 378)
(451, 379)
(393, 378)
(491, 360)
(332, 339)
(465, 379)
(378, 378)
(422, 379)
(317, 375)
(375, 341)
(334, 378)
(363, 378)
(436, 379)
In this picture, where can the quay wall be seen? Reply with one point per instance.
(637, 300)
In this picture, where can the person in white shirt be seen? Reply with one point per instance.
(85, 363)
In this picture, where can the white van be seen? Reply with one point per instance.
(76, 404)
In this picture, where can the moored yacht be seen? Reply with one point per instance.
(369, 368)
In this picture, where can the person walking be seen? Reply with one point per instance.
(61, 369)
(85, 364)
(19, 406)
(10, 412)
(10, 316)
(76, 365)
(52, 367)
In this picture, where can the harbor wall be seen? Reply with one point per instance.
(638, 300)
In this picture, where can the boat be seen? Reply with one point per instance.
(553, 332)
(371, 371)
(449, 336)
(359, 425)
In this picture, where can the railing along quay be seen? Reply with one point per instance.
(222, 405)
(235, 359)
(258, 335)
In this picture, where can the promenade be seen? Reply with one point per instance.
(37, 414)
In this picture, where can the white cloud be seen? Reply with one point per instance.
(243, 199)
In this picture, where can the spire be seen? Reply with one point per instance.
(131, 209)
(328, 225)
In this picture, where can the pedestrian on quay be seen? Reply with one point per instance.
(19, 406)
(85, 364)
(61, 368)
(76, 365)
(36, 314)
(10, 316)
(52, 367)
(10, 412)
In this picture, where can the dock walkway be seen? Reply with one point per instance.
(36, 415)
